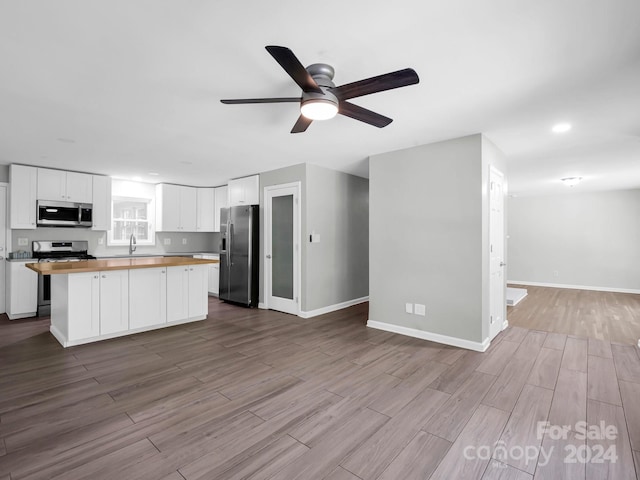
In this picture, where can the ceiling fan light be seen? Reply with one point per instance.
(319, 109)
(571, 181)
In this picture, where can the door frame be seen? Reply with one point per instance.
(495, 171)
(297, 234)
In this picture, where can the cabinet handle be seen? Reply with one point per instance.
(104, 276)
(191, 269)
(95, 276)
(161, 271)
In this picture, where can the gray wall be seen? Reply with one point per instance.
(4, 173)
(589, 239)
(337, 209)
(428, 238)
(334, 205)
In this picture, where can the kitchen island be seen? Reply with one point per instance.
(94, 300)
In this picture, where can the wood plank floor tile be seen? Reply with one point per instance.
(449, 355)
(500, 471)
(340, 473)
(575, 355)
(631, 402)
(515, 334)
(531, 345)
(451, 379)
(260, 466)
(483, 430)
(568, 407)
(451, 418)
(627, 362)
(600, 348)
(370, 459)
(325, 456)
(494, 362)
(173, 476)
(418, 460)
(392, 401)
(505, 391)
(555, 340)
(622, 467)
(636, 457)
(602, 381)
(522, 428)
(545, 370)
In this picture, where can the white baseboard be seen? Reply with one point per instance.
(262, 306)
(433, 337)
(574, 287)
(505, 324)
(333, 308)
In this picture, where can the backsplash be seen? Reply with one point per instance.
(196, 242)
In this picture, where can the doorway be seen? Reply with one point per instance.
(497, 285)
(282, 248)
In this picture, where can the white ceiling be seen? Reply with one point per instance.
(130, 87)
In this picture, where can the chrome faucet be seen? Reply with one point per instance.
(132, 242)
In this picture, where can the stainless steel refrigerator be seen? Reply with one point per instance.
(239, 248)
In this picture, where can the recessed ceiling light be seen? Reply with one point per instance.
(66, 140)
(136, 179)
(571, 181)
(154, 174)
(561, 128)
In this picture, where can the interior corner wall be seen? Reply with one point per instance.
(426, 234)
(589, 239)
(337, 267)
(294, 173)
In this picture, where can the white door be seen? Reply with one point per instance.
(497, 287)
(147, 297)
(84, 310)
(282, 247)
(3, 247)
(198, 303)
(177, 293)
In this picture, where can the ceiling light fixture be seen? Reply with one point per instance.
(571, 181)
(561, 128)
(319, 109)
(154, 174)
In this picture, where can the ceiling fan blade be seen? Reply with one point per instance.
(237, 101)
(294, 68)
(367, 116)
(388, 81)
(301, 125)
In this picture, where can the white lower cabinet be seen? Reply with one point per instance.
(92, 306)
(114, 301)
(186, 292)
(84, 310)
(213, 280)
(148, 297)
(98, 302)
(22, 290)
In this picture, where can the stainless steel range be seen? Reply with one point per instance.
(56, 251)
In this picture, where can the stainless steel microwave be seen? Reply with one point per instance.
(64, 214)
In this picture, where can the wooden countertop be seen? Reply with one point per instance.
(53, 268)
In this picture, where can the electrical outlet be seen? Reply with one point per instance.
(167, 241)
(408, 307)
(101, 241)
(555, 273)
(23, 242)
(184, 241)
(421, 309)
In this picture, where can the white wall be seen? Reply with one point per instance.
(589, 239)
(429, 237)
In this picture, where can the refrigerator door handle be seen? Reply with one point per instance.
(230, 230)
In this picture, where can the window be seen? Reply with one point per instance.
(131, 216)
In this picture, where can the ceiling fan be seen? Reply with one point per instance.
(321, 99)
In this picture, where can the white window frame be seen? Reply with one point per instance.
(149, 221)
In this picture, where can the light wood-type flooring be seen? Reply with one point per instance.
(600, 315)
(254, 394)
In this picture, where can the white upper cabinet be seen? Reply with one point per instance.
(23, 184)
(175, 208)
(222, 201)
(101, 203)
(244, 191)
(205, 209)
(61, 186)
